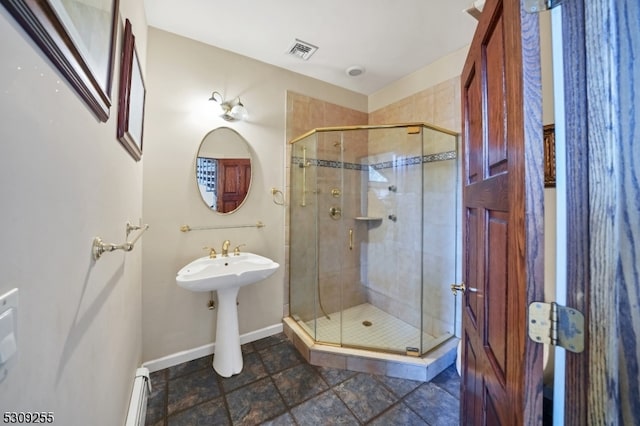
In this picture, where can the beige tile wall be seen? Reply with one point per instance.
(438, 105)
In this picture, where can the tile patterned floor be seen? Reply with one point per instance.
(278, 387)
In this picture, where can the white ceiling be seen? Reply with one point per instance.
(389, 38)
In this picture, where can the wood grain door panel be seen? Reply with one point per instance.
(234, 178)
(496, 291)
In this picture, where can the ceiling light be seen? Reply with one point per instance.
(232, 110)
(355, 71)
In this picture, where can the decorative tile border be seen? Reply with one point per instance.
(441, 156)
(401, 162)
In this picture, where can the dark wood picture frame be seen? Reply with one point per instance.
(80, 43)
(131, 96)
(549, 136)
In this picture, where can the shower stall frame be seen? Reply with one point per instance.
(415, 361)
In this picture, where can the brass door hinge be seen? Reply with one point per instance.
(535, 6)
(556, 325)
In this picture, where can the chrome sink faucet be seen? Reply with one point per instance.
(225, 248)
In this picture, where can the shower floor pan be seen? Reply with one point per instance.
(385, 333)
(366, 326)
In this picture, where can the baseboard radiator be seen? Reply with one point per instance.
(139, 395)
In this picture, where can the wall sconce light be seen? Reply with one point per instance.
(232, 110)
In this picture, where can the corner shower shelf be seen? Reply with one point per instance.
(368, 218)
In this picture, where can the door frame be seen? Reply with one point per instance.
(601, 119)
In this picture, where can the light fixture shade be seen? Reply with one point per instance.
(239, 112)
(232, 110)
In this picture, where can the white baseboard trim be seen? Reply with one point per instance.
(208, 349)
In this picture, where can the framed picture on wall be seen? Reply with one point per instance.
(78, 38)
(549, 135)
(132, 95)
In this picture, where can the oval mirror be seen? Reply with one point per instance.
(223, 170)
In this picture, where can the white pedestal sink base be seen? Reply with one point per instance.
(226, 274)
(227, 359)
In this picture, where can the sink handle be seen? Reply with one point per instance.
(212, 252)
(236, 251)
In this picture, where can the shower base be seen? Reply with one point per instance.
(367, 326)
(395, 334)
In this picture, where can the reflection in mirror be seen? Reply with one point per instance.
(223, 170)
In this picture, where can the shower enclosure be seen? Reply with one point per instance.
(373, 236)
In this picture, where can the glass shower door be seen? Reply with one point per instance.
(303, 254)
(332, 241)
(441, 233)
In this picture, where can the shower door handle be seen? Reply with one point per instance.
(350, 239)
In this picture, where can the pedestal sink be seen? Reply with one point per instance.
(226, 275)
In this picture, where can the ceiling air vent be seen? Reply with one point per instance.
(302, 49)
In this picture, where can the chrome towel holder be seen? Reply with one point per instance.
(99, 247)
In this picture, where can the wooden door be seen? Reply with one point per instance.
(502, 218)
(234, 178)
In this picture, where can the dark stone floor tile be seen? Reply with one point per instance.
(325, 409)
(156, 404)
(435, 405)
(192, 389)
(255, 403)
(283, 420)
(190, 367)
(398, 415)
(252, 370)
(275, 376)
(270, 341)
(159, 378)
(365, 396)
(247, 348)
(299, 383)
(333, 376)
(209, 413)
(279, 357)
(400, 387)
(449, 380)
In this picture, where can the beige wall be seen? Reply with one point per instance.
(182, 74)
(65, 179)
